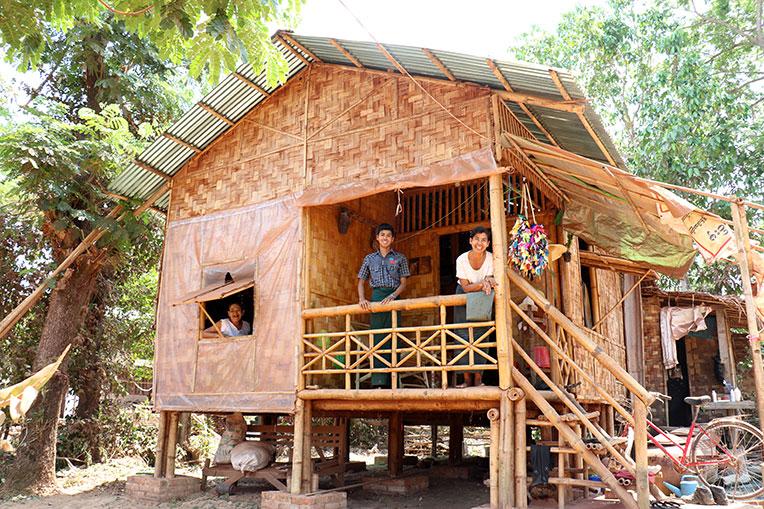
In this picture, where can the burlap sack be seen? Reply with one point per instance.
(249, 456)
(235, 431)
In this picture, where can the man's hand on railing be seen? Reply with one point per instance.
(364, 303)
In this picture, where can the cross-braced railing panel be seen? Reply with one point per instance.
(398, 350)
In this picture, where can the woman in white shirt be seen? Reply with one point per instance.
(474, 271)
(231, 326)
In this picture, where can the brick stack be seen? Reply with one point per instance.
(397, 486)
(151, 489)
(283, 500)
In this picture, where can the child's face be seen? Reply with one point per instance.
(385, 239)
(235, 313)
(480, 242)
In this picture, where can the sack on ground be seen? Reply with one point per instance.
(250, 456)
(235, 431)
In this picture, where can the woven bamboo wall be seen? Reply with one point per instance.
(613, 341)
(356, 124)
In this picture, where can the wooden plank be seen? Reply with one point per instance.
(285, 35)
(570, 106)
(725, 344)
(640, 454)
(151, 169)
(440, 65)
(291, 49)
(251, 84)
(182, 143)
(395, 444)
(585, 121)
(209, 109)
(346, 53)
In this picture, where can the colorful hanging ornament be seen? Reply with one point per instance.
(529, 246)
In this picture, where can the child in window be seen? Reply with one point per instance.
(231, 326)
(386, 270)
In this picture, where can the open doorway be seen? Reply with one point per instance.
(678, 387)
(451, 246)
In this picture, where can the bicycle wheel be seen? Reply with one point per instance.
(733, 452)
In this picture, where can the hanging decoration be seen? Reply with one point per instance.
(399, 207)
(529, 246)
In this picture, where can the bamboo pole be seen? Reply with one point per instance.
(506, 453)
(502, 296)
(297, 447)
(172, 442)
(573, 440)
(561, 490)
(581, 337)
(640, 454)
(521, 460)
(493, 418)
(307, 462)
(744, 262)
(159, 466)
(94, 236)
(397, 305)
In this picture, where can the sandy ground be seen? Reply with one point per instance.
(103, 486)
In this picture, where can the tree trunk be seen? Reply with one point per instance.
(33, 470)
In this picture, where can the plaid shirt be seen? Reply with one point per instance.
(384, 271)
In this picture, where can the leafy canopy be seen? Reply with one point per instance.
(212, 36)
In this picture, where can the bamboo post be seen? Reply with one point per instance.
(443, 350)
(498, 235)
(159, 466)
(561, 488)
(297, 447)
(307, 462)
(348, 362)
(395, 444)
(455, 439)
(640, 454)
(521, 460)
(394, 350)
(744, 262)
(434, 441)
(506, 453)
(493, 417)
(172, 441)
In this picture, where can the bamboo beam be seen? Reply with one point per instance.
(182, 143)
(392, 59)
(439, 64)
(287, 36)
(485, 393)
(561, 196)
(209, 109)
(574, 440)
(291, 49)
(251, 84)
(503, 80)
(151, 169)
(382, 407)
(396, 305)
(94, 236)
(745, 263)
(582, 338)
(582, 118)
(501, 293)
(346, 53)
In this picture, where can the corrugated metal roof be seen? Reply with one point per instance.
(234, 97)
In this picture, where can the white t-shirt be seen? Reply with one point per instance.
(229, 329)
(465, 271)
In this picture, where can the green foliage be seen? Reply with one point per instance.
(679, 113)
(212, 36)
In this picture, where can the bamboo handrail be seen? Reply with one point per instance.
(582, 339)
(396, 305)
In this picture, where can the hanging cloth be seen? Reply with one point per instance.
(675, 323)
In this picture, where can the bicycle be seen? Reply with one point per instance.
(726, 452)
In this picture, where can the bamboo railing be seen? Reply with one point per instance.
(437, 348)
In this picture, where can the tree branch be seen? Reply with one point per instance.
(126, 13)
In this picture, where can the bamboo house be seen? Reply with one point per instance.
(272, 194)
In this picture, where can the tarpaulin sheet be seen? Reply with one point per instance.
(256, 373)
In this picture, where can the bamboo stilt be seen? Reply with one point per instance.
(297, 447)
(307, 462)
(455, 440)
(521, 460)
(395, 445)
(744, 262)
(561, 488)
(493, 418)
(172, 442)
(640, 453)
(159, 467)
(506, 453)
(434, 440)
